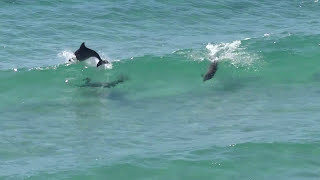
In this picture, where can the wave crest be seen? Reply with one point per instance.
(232, 52)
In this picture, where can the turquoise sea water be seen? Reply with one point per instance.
(258, 118)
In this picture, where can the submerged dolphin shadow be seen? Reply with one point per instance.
(88, 83)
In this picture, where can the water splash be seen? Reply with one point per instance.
(67, 55)
(232, 52)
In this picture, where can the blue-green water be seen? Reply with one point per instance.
(258, 118)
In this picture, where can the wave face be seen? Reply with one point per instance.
(149, 115)
(163, 119)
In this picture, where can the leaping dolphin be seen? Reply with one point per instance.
(211, 71)
(84, 53)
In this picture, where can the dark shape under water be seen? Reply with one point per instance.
(84, 53)
(211, 71)
(88, 83)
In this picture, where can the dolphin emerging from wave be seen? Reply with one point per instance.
(211, 71)
(84, 53)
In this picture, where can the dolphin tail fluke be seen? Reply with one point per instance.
(102, 62)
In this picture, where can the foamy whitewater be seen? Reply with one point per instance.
(148, 114)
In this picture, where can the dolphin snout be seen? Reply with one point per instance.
(206, 77)
(72, 59)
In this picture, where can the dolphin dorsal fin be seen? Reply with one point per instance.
(82, 45)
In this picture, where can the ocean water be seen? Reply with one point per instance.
(258, 118)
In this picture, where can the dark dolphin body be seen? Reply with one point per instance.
(84, 53)
(211, 71)
(88, 83)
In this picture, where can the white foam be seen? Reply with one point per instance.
(196, 56)
(67, 55)
(232, 52)
(223, 50)
(193, 55)
(105, 57)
